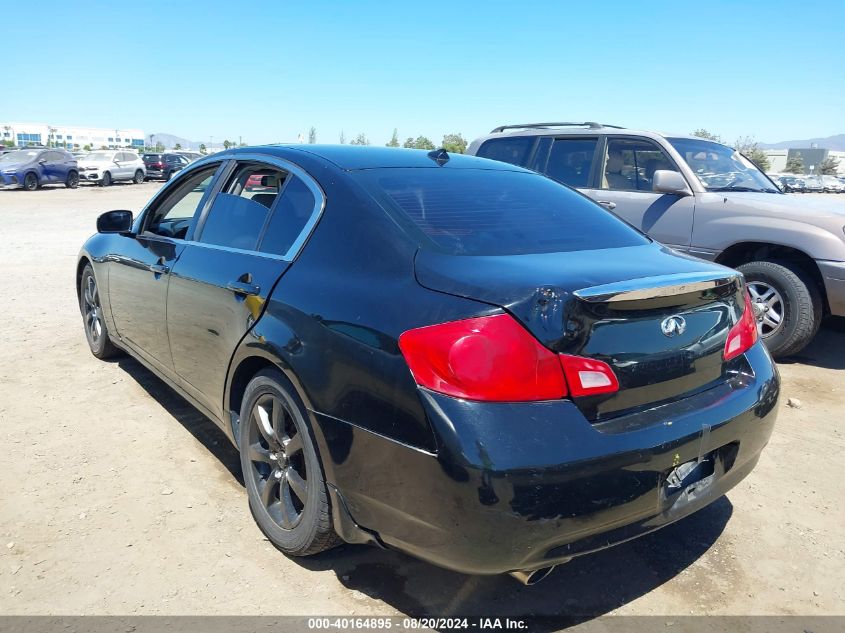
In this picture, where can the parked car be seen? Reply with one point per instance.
(791, 251)
(164, 165)
(813, 184)
(107, 166)
(518, 378)
(832, 184)
(33, 168)
(191, 156)
(792, 184)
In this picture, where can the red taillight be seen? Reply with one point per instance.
(743, 334)
(496, 359)
(588, 377)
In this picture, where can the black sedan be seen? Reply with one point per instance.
(446, 355)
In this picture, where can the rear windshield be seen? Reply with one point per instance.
(152, 157)
(489, 212)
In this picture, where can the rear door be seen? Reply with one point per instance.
(244, 243)
(622, 182)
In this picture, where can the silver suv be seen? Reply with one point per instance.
(107, 166)
(705, 199)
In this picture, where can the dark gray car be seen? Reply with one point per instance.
(705, 199)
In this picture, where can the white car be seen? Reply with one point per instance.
(107, 166)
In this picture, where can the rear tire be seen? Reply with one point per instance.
(790, 293)
(105, 181)
(139, 177)
(30, 182)
(96, 331)
(72, 181)
(281, 468)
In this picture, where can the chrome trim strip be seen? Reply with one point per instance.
(658, 286)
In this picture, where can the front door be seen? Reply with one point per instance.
(625, 187)
(139, 276)
(221, 282)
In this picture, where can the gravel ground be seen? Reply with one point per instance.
(116, 497)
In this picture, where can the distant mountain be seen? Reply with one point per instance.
(169, 141)
(835, 142)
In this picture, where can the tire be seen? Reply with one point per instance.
(800, 305)
(96, 331)
(106, 180)
(168, 175)
(280, 462)
(72, 181)
(139, 177)
(30, 182)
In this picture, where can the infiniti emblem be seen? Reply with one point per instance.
(673, 326)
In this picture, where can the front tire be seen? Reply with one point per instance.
(105, 181)
(281, 468)
(139, 177)
(96, 331)
(72, 181)
(787, 305)
(30, 182)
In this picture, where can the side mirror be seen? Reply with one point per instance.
(667, 181)
(115, 222)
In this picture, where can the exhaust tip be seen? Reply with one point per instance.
(530, 577)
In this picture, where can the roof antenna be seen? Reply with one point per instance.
(439, 156)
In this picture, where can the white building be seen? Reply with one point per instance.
(777, 159)
(71, 137)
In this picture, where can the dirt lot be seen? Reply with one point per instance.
(117, 498)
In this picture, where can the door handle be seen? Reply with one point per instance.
(159, 269)
(610, 206)
(243, 288)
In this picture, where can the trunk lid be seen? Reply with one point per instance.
(658, 318)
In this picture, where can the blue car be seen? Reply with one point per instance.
(31, 168)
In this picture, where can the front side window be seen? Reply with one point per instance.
(629, 165)
(570, 160)
(721, 168)
(241, 209)
(491, 212)
(172, 217)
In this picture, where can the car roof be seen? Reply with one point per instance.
(579, 129)
(354, 157)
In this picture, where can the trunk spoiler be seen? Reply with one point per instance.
(658, 286)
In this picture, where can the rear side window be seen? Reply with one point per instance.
(570, 160)
(292, 212)
(486, 212)
(515, 150)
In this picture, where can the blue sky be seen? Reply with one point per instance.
(267, 71)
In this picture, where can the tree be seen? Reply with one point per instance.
(829, 166)
(312, 135)
(794, 164)
(702, 133)
(87, 148)
(203, 149)
(394, 140)
(747, 146)
(227, 143)
(361, 139)
(421, 142)
(178, 146)
(342, 137)
(159, 147)
(454, 143)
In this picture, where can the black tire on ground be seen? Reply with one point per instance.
(96, 331)
(72, 181)
(30, 182)
(279, 455)
(139, 177)
(802, 304)
(168, 175)
(105, 180)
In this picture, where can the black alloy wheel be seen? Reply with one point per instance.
(92, 314)
(139, 177)
(30, 182)
(282, 472)
(105, 181)
(72, 181)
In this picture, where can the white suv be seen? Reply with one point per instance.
(107, 166)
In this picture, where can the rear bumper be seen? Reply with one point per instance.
(527, 485)
(833, 274)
